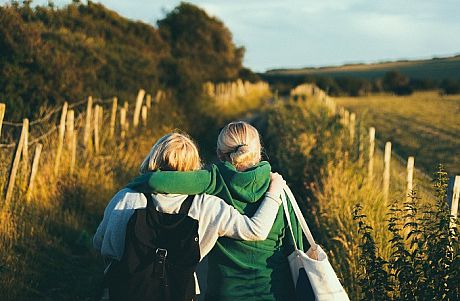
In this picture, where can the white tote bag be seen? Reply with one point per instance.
(314, 278)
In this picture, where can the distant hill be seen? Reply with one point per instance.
(436, 69)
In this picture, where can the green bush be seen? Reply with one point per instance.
(50, 55)
(424, 260)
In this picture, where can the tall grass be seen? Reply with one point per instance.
(400, 250)
(45, 242)
(424, 125)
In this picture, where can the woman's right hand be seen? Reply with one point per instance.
(277, 184)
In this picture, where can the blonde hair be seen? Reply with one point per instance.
(174, 151)
(239, 144)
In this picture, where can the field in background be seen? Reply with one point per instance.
(426, 69)
(425, 125)
(380, 247)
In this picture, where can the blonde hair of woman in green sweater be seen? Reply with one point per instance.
(237, 270)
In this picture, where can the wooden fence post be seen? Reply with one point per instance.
(101, 123)
(73, 154)
(15, 165)
(370, 168)
(96, 128)
(410, 177)
(101, 117)
(113, 117)
(144, 115)
(137, 108)
(60, 139)
(386, 173)
(25, 145)
(33, 173)
(2, 115)
(70, 128)
(360, 146)
(123, 123)
(346, 118)
(159, 95)
(352, 127)
(87, 133)
(453, 196)
(148, 101)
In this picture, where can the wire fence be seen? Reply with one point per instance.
(46, 120)
(97, 121)
(349, 121)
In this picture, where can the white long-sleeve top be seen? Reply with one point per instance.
(215, 218)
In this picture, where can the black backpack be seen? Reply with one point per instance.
(160, 257)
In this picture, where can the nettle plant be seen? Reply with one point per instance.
(424, 262)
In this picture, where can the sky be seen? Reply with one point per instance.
(312, 33)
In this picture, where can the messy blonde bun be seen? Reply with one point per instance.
(239, 144)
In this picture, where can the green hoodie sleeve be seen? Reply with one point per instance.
(179, 182)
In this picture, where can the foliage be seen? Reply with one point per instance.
(401, 251)
(201, 49)
(431, 70)
(397, 83)
(373, 277)
(350, 84)
(50, 55)
(299, 140)
(450, 86)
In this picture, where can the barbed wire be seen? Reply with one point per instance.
(42, 137)
(53, 129)
(403, 161)
(56, 110)
(13, 144)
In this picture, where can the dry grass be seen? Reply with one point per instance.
(425, 125)
(341, 184)
(45, 242)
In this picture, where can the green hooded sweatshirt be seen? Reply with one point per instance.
(238, 270)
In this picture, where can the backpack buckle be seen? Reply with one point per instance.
(161, 255)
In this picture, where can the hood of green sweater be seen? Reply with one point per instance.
(247, 186)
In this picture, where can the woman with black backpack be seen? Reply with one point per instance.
(155, 241)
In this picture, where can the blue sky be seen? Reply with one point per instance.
(299, 33)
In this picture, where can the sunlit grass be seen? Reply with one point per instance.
(424, 125)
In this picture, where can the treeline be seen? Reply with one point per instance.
(49, 55)
(392, 82)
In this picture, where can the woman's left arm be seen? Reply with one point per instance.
(178, 182)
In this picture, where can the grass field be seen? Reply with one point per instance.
(437, 69)
(425, 125)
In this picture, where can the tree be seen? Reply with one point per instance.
(249, 75)
(201, 48)
(397, 83)
(450, 86)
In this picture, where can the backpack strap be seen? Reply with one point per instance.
(149, 200)
(186, 204)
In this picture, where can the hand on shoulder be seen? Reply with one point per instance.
(277, 184)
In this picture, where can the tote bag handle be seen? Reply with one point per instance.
(299, 216)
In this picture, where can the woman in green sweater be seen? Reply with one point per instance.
(237, 270)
